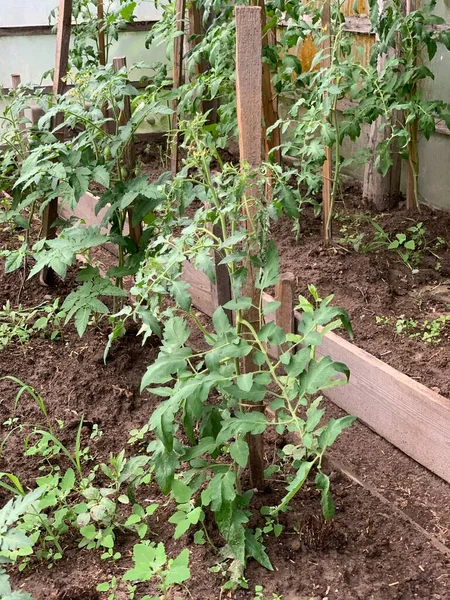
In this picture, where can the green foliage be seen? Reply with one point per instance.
(429, 331)
(201, 421)
(151, 563)
(85, 50)
(21, 324)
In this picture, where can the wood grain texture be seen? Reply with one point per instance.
(249, 113)
(62, 46)
(50, 213)
(382, 191)
(101, 33)
(249, 83)
(269, 103)
(406, 413)
(200, 289)
(284, 293)
(178, 43)
(327, 168)
(128, 157)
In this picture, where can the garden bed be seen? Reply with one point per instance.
(378, 284)
(377, 548)
(371, 284)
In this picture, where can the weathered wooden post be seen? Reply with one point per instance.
(101, 33)
(15, 83)
(128, 157)
(412, 192)
(284, 293)
(249, 114)
(327, 169)
(61, 62)
(381, 191)
(270, 108)
(180, 9)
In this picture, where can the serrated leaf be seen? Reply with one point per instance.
(243, 303)
(239, 452)
(181, 492)
(101, 175)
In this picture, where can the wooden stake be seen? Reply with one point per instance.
(128, 157)
(327, 169)
(284, 293)
(101, 33)
(382, 191)
(270, 105)
(249, 114)
(412, 193)
(15, 82)
(195, 31)
(180, 9)
(61, 62)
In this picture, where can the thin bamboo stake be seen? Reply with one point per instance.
(129, 157)
(180, 9)
(249, 113)
(61, 62)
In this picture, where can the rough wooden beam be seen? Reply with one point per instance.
(327, 168)
(180, 9)
(61, 62)
(101, 33)
(270, 109)
(37, 30)
(406, 413)
(249, 113)
(382, 191)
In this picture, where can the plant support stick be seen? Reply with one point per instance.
(249, 113)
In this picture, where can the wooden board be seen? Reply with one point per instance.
(50, 213)
(201, 289)
(180, 9)
(327, 168)
(406, 413)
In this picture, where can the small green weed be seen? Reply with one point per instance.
(430, 331)
(21, 324)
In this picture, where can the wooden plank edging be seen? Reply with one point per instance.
(403, 411)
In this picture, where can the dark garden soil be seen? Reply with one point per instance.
(389, 539)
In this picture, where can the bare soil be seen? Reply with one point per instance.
(390, 539)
